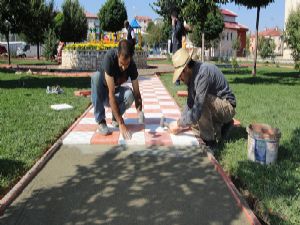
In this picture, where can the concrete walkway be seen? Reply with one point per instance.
(98, 184)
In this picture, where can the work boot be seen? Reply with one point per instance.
(226, 128)
(103, 129)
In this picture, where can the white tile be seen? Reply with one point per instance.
(164, 97)
(138, 138)
(167, 103)
(92, 110)
(76, 137)
(146, 95)
(87, 121)
(131, 110)
(154, 128)
(170, 111)
(153, 115)
(184, 139)
(162, 92)
(151, 106)
(150, 100)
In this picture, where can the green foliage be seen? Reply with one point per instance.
(236, 44)
(50, 47)
(73, 26)
(266, 48)
(58, 23)
(164, 8)
(41, 16)
(213, 27)
(293, 35)
(112, 15)
(154, 34)
(234, 64)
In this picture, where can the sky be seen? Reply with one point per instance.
(271, 16)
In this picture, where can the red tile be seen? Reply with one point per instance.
(182, 93)
(158, 138)
(89, 115)
(236, 122)
(85, 127)
(111, 139)
(131, 115)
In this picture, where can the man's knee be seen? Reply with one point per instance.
(128, 98)
(95, 77)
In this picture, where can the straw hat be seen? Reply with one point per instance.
(180, 59)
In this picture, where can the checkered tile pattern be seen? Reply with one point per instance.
(157, 102)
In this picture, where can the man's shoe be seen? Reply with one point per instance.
(226, 128)
(114, 122)
(103, 129)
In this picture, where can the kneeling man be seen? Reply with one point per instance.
(117, 67)
(210, 103)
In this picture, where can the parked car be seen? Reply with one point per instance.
(21, 51)
(3, 50)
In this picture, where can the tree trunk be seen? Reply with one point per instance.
(202, 48)
(256, 42)
(38, 50)
(8, 48)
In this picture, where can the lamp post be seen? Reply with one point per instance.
(7, 25)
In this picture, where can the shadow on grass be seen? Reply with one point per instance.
(242, 72)
(9, 168)
(43, 82)
(284, 78)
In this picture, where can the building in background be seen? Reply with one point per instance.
(289, 6)
(275, 34)
(232, 31)
(143, 22)
(93, 26)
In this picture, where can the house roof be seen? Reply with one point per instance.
(143, 18)
(91, 15)
(269, 32)
(134, 24)
(235, 26)
(228, 13)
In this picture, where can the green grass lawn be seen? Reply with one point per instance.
(28, 125)
(273, 98)
(162, 61)
(19, 61)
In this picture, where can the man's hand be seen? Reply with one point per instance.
(174, 128)
(125, 132)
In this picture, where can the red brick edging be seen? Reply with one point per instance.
(25, 180)
(252, 219)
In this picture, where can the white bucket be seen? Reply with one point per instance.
(263, 142)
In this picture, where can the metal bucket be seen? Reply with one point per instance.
(263, 142)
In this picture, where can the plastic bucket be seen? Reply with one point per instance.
(263, 142)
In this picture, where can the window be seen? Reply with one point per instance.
(231, 35)
(227, 36)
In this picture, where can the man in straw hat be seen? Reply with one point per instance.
(210, 103)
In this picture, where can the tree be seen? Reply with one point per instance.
(50, 49)
(112, 15)
(12, 17)
(266, 48)
(71, 25)
(154, 34)
(165, 7)
(254, 4)
(214, 25)
(41, 15)
(293, 35)
(236, 45)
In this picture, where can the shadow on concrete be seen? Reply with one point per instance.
(152, 186)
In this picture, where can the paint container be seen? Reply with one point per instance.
(263, 142)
